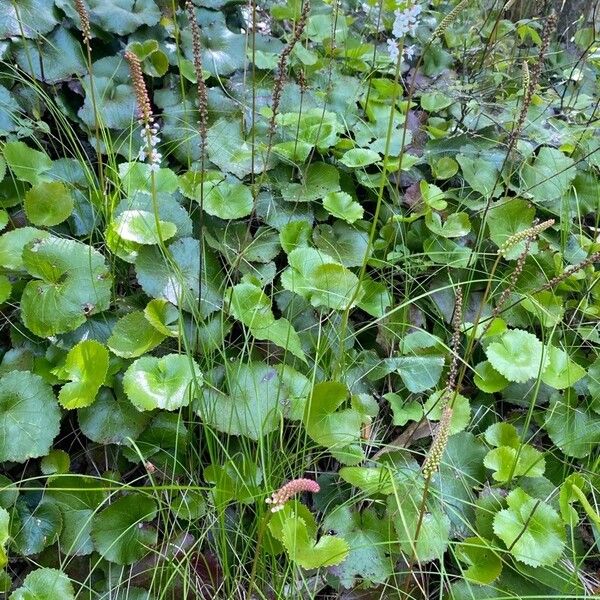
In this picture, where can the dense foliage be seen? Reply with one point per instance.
(358, 249)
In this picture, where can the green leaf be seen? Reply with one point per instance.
(238, 479)
(338, 429)
(252, 407)
(546, 306)
(549, 176)
(45, 584)
(112, 419)
(404, 508)
(487, 379)
(73, 283)
(29, 416)
(561, 372)
(371, 480)
(116, 16)
(176, 278)
(403, 410)
(141, 226)
(56, 461)
(134, 335)
(137, 176)
(571, 424)
(444, 168)
(502, 434)
(508, 218)
(456, 225)
(223, 51)
(507, 462)
(163, 316)
(189, 505)
(369, 545)
(419, 373)
(250, 305)
(78, 498)
(518, 356)
(86, 365)
(113, 99)
(319, 278)
(342, 206)
(120, 532)
(5, 288)
(35, 528)
(318, 180)
(12, 244)
(461, 412)
(30, 18)
(227, 200)
(168, 382)
(480, 174)
(26, 163)
(485, 565)
(53, 58)
(359, 157)
(531, 529)
(306, 551)
(48, 203)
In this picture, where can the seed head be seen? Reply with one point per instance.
(434, 456)
(289, 490)
(84, 17)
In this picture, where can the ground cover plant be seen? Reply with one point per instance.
(299, 299)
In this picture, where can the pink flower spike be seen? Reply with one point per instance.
(289, 490)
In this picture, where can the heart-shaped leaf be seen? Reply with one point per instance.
(308, 553)
(45, 584)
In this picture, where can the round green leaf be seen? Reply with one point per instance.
(163, 316)
(571, 424)
(252, 407)
(73, 283)
(342, 206)
(86, 365)
(112, 419)
(5, 288)
(45, 584)
(444, 168)
(228, 200)
(26, 163)
(189, 505)
(120, 532)
(507, 462)
(485, 565)
(461, 410)
(359, 157)
(531, 529)
(561, 372)
(487, 379)
(176, 279)
(57, 461)
(518, 355)
(29, 416)
(134, 335)
(308, 553)
(140, 226)
(168, 382)
(34, 529)
(12, 244)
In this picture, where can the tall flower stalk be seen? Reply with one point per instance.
(86, 34)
